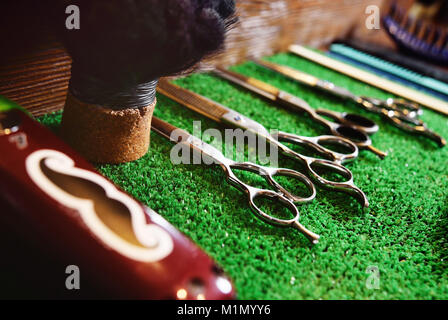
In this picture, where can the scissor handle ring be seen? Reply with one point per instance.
(261, 193)
(358, 137)
(295, 174)
(268, 173)
(358, 121)
(314, 143)
(347, 186)
(404, 106)
(333, 166)
(253, 193)
(337, 139)
(350, 119)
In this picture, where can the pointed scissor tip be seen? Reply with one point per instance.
(366, 204)
(362, 198)
(363, 201)
(378, 152)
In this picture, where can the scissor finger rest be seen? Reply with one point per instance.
(346, 186)
(316, 144)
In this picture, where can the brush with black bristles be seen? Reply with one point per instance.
(421, 30)
(119, 52)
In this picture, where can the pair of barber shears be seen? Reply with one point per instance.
(222, 114)
(351, 126)
(280, 194)
(403, 114)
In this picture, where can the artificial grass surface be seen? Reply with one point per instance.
(403, 233)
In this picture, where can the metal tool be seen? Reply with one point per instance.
(359, 74)
(280, 194)
(351, 126)
(401, 113)
(220, 113)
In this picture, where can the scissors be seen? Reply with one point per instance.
(403, 114)
(351, 126)
(222, 114)
(280, 194)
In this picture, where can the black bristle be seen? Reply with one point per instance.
(445, 42)
(428, 30)
(437, 35)
(124, 43)
(392, 9)
(418, 26)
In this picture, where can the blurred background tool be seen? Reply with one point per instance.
(386, 68)
(393, 56)
(371, 79)
(402, 114)
(313, 166)
(420, 28)
(350, 126)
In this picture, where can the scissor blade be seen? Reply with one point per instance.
(191, 100)
(166, 129)
(289, 72)
(251, 84)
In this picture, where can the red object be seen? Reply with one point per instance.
(49, 186)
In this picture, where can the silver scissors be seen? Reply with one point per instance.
(403, 118)
(222, 114)
(280, 194)
(351, 126)
(403, 114)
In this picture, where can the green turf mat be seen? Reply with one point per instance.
(403, 233)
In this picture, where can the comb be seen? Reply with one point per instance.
(393, 56)
(387, 75)
(391, 68)
(372, 79)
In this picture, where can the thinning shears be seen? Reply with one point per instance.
(403, 114)
(351, 126)
(222, 114)
(280, 194)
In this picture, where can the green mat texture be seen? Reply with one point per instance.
(403, 235)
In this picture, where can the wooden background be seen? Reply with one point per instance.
(37, 78)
